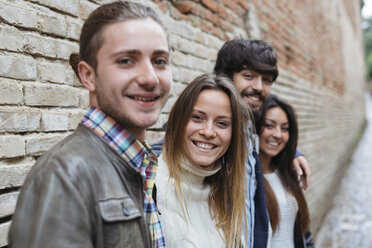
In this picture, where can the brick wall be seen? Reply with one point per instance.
(320, 60)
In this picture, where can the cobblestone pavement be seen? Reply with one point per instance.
(349, 223)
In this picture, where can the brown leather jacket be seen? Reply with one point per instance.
(81, 193)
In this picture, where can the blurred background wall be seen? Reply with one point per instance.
(321, 63)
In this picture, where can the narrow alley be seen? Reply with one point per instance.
(349, 223)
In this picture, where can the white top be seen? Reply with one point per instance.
(284, 235)
(197, 229)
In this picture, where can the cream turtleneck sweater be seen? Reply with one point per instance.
(197, 229)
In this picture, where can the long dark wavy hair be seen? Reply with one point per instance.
(283, 163)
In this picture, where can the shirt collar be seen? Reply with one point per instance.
(117, 136)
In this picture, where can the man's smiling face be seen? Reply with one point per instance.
(253, 87)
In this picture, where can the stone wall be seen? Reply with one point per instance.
(320, 60)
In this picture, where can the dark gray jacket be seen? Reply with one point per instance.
(81, 193)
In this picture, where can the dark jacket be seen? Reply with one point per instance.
(81, 193)
(300, 240)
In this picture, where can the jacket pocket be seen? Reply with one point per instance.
(118, 209)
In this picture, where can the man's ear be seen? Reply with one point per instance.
(87, 75)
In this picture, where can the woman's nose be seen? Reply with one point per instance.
(208, 131)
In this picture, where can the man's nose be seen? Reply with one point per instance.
(147, 75)
(257, 84)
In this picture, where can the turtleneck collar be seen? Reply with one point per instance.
(195, 174)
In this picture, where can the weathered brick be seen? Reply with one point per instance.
(154, 136)
(40, 144)
(18, 15)
(45, 95)
(192, 62)
(4, 229)
(185, 7)
(187, 75)
(84, 98)
(52, 24)
(19, 67)
(66, 6)
(13, 175)
(190, 47)
(168, 106)
(182, 29)
(163, 6)
(51, 72)
(19, 120)
(163, 118)
(11, 39)
(54, 121)
(86, 8)
(73, 28)
(176, 14)
(10, 92)
(8, 203)
(178, 88)
(75, 118)
(41, 45)
(212, 5)
(71, 78)
(12, 146)
(214, 42)
(65, 48)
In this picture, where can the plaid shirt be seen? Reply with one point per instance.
(141, 158)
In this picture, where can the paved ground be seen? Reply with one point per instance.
(349, 223)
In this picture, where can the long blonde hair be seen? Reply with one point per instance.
(228, 186)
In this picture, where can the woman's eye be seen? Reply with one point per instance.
(223, 124)
(268, 126)
(196, 117)
(285, 129)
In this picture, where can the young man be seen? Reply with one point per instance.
(94, 189)
(252, 66)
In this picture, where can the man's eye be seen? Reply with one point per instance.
(160, 61)
(248, 76)
(268, 80)
(124, 61)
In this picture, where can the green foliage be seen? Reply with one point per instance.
(367, 36)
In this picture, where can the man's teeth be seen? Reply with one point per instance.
(204, 145)
(254, 98)
(144, 99)
(273, 143)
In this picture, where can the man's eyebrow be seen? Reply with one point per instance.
(138, 52)
(126, 52)
(159, 52)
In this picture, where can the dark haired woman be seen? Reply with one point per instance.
(287, 207)
(201, 178)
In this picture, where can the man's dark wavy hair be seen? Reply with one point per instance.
(256, 55)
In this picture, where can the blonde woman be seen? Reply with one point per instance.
(201, 178)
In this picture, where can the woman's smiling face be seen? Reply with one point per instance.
(274, 133)
(209, 129)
